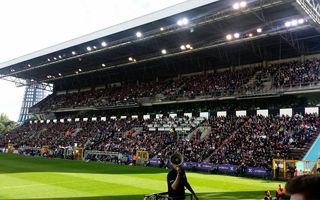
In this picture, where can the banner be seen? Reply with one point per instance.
(224, 168)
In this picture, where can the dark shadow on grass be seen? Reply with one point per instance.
(10, 163)
(244, 195)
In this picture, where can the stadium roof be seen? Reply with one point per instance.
(192, 36)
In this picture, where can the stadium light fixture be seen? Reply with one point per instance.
(103, 65)
(29, 65)
(259, 30)
(300, 21)
(60, 56)
(76, 72)
(243, 4)
(31, 80)
(130, 59)
(139, 34)
(80, 70)
(182, 22)
(73, 53)
(229, 37)
(134, 60)
(250, 34)
(104, 44)
(161, 29)
(94, 47)
(49, 76)
(60, 74)
(182, 47)
(294, 22)
(163, 51)
(236, 6)
(287, 24)
(236, 35)
(54, 58)
(48, 59)
(89, 48)
(12, 70)
(185, 21)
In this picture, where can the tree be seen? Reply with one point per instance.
(6, 124)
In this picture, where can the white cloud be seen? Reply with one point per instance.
(28, 26)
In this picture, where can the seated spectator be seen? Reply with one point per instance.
(281, 193)
(267, 196)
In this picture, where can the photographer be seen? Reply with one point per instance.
(177, 182)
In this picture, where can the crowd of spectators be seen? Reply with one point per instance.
(252, 141)
(225, 83)
(130, 94)
(294, 73)
(249, 140)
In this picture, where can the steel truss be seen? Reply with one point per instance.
(22, 82)
(312, 8)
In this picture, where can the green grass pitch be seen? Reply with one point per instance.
(26, 178)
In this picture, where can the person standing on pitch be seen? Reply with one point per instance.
(177, 180)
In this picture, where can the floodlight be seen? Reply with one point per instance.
(161, 29)
(185, 21)
(139, 34)
(80, 70)
(301, 21)
(130, 59)
(250, 34)
(60, 56)
(188, 46)
(182, 47)
(259, 30)
(294, 22)
(94, 47)
(29, 65)
(60, 74)
(103, 65)
(287, 24)
(73, 53)
(49, 60)
(163, 51)
(182, 22)
(54, 58)
(243, 4)
(236, 35)
(89, 49)
(236, 6)
(103, 44)
(229, 37)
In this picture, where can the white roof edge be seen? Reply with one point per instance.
(166, 12)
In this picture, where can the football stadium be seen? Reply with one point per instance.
(207, 99)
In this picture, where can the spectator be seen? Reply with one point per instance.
(304, 187)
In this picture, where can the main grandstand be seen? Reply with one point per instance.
(232, 85)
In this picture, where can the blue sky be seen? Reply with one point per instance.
(28, 26)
